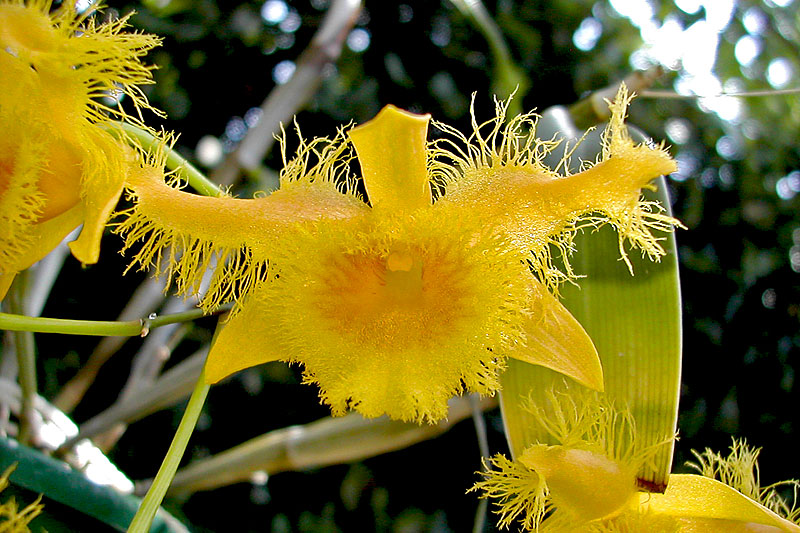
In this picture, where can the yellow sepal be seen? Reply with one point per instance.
(245, 340)
(43, 238)
(556, 340)
(392, 151)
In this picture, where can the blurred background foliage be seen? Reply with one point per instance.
(736, 190)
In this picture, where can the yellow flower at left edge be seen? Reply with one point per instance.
(12, 518)
(394, 306)
(61, 162)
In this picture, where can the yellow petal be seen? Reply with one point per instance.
(557, 341)
(691, 497)
(391, 149)
(48, 235)
(233, 222)
(246, 340)
(5, 282)
(99, 204)
(242, 234)
(102, 187)
(503, 179)
(43, 238)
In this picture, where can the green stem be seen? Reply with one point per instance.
(155, 495)
(26, 361)
(103, 328)
(197, 180)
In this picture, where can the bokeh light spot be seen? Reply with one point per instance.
(747, 50)
(788, 186)
(755, 21)
(405, 13)
(587, 34)
(769, 298)
(274, 11)
(291, 23)
(283, 72)
(252, 116)
(780, 72)
(236, 129)
(729, 147)
(678, 130)
(358, 40)
(209, 151)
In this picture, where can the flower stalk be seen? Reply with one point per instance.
(155, 495)
(124, 328)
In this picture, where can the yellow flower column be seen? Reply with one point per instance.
(60, 165)
(395, 306)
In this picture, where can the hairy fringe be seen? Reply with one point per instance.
(511, 144)
(185, 258)
(739, 470)
(521, 492)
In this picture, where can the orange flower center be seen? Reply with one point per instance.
(403, 299)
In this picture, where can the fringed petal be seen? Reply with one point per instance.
(502, 177)
(104, 173)
(392, 152)
(521, 493)
(394, 316)
(589, 475)
(239, 235)
(56, 44)
(584, 484)
(22, 160)
(98, 205)
(555, 340)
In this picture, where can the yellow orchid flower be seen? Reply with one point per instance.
(60, 164)
(589, 476)
(588, 484)
(394, 306)
(12, 518)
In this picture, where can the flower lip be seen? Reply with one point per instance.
(395, 300)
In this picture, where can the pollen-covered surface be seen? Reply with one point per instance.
(396, 316)
(590, 475)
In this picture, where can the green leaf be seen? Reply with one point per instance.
(634, 321)
(41, 474)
